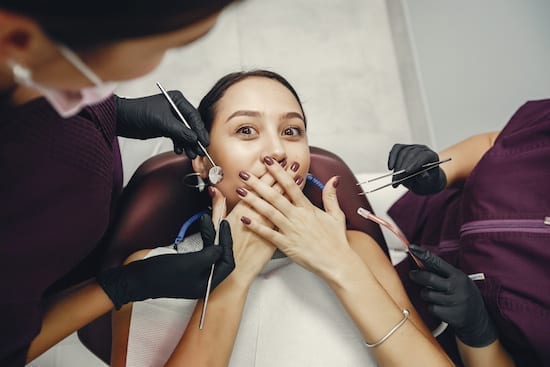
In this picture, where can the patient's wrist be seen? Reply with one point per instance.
(241, 278)
(344, 268)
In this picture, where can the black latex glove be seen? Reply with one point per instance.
(173, 275)
(411, 158)
(454, 298)
(153, 116)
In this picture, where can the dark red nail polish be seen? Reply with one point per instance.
(294, 167)
(242, 192)
(283, 163)
(268, 160)
(336, 182)
(299, 180)
(245, 220)
(211, 191)
(244, 175)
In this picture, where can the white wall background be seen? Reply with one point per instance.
(338, 54)
(476, 61)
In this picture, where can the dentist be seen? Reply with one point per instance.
(60, 162)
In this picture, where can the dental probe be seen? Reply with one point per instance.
(215, 174)
(209, 284)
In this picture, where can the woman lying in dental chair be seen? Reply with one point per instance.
(333, 300)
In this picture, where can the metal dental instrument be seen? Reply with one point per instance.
(370, 216)
(209, 283)
(215, 174)
(403, 171)
(208, 286)
(428, 166)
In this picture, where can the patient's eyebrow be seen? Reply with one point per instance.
(244, 113)
(284, 116)
(292, 115)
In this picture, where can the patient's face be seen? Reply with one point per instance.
(256, 117)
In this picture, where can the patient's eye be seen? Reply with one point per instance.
(293, 131)
(247, 131)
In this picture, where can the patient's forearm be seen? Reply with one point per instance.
(492, 355)
(465, 155)
(70, 313)
(375, 313)
(212, 346)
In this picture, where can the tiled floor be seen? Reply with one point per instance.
(339, 56)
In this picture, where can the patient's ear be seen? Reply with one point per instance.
(200, 166)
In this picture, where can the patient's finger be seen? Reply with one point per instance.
(267, 193)
(268, 178)
(219, 208)
(287, 182)
(257, 202)
(267, 233)
(330, 200)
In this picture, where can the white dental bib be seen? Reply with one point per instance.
(291, 318)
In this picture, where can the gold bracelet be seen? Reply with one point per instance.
(385, 337)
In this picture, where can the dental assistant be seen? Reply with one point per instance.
(60, 163)
(485, 219)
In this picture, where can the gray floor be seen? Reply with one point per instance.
(338, 54)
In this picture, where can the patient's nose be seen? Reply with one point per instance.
(276, 150)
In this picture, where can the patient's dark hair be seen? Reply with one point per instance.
(208, 104)
(89, 23)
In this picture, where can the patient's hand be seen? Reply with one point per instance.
(251, 251)
(311, 237)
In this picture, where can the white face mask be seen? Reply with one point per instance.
(67, 103)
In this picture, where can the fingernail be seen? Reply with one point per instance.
(294, 167)
(299, 180)
(268, 160)
(242, 192)
(283, 163)
(244, 175)
(211, 191)
(245, 220)
(336, 182)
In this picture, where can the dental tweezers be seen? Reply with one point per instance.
(427, 167)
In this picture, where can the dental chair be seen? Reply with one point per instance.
(156, 202)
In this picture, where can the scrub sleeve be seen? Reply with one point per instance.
(59, 181)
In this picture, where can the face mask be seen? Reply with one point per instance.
(67, 103)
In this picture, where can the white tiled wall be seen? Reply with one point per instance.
(339, 56)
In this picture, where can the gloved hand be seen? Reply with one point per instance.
(454, 298)
(411, 158)
(153, 116)
(173, 275)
